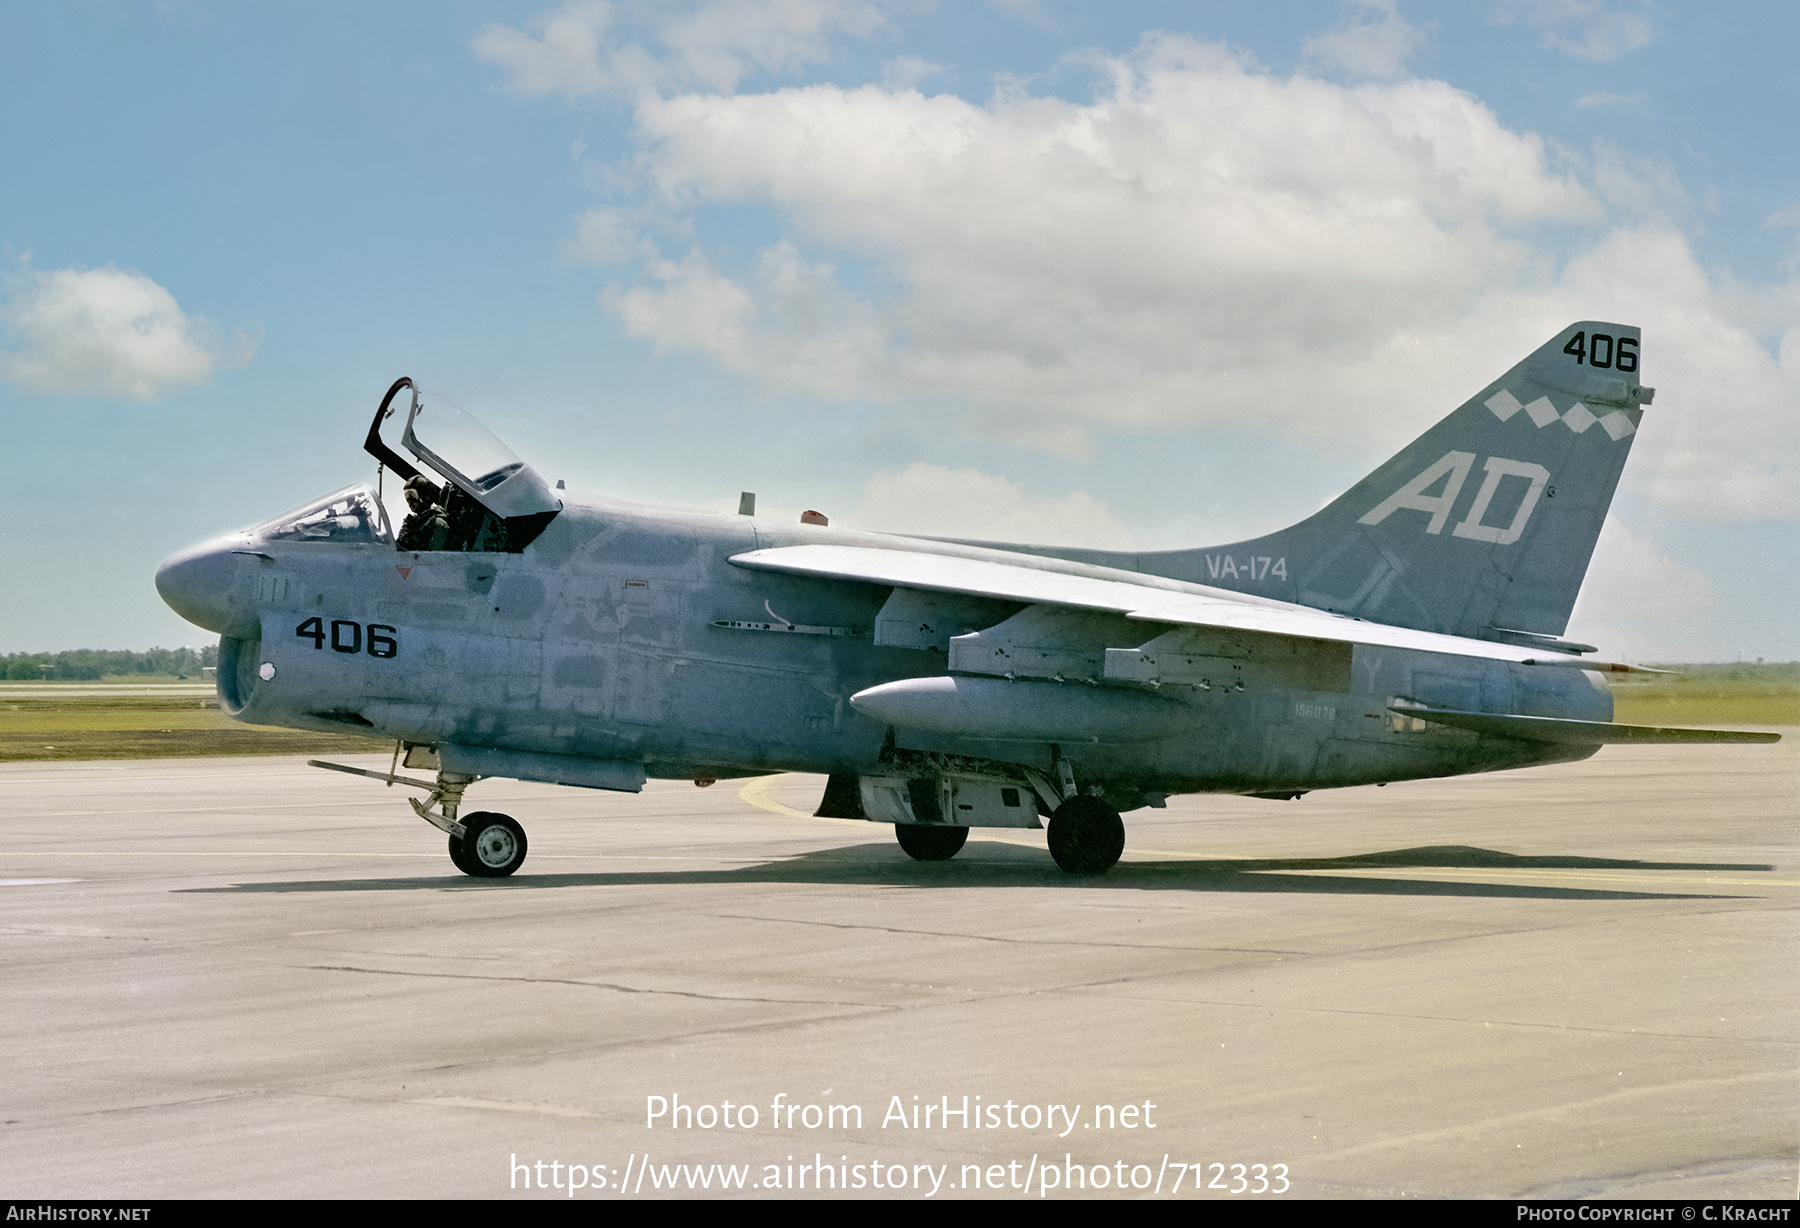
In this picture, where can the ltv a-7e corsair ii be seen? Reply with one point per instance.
(1410, 629)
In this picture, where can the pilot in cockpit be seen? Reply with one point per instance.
(443, 518)
(426, 527)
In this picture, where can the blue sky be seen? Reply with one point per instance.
(1126, 274)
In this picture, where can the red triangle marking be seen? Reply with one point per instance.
(405, 572)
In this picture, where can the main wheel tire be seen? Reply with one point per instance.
(924, 843)
(1086, 836)
(493, 845)
(456, 855)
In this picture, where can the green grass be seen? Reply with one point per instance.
(149, 727)
(1710, 695)
(109, 680)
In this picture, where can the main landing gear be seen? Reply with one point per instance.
(483, 844)
(1086, 836)
(923, 843)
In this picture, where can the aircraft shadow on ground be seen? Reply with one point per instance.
(987, 865)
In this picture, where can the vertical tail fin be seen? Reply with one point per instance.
(1483, 524)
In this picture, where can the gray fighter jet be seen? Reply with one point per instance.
(1410, 629)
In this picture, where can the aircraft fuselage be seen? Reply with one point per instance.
(624, 634)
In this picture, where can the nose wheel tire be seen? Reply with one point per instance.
(493, 845)
(930, 843)
(1086, 836)
(456, 855)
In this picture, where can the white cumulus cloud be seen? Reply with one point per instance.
(1150, 258)
(793, 320)
(1376, 48)
(1786, 217)
(1637, 602)
(588, 47)
(603, 236)
(109, 331)
(1203, 246)
(720, 43)
(935, 501)
(1597, 30)
(563, 57)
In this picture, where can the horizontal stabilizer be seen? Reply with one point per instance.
(1573, 733)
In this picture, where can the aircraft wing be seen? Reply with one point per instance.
(1152, 599)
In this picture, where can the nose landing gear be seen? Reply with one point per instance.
(483, 845)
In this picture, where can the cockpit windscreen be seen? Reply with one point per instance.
(352, 514)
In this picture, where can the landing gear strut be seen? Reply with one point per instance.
(1086, 835)
(923, 843)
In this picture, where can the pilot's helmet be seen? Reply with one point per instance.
(419, 493)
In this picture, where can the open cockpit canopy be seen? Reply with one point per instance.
(491, 499)
(454, 443)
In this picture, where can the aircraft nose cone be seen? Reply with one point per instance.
(209, 586)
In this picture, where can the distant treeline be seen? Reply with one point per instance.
(88, 664)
